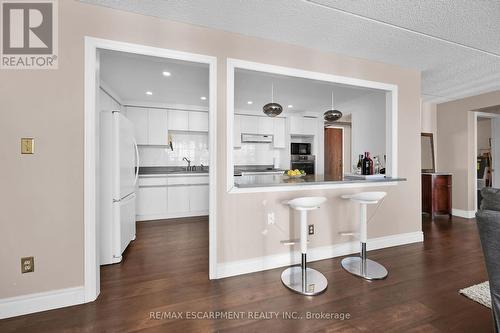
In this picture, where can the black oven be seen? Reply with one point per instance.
(303, 162)
(300, 148)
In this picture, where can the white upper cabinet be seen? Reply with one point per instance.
(303, 126)
(266, 125)
(279, 132)
(139, 117)
(259, 125)
(256, 124)
(188, 121)
(249, 124)
(152, 125)
(157, 127)
(178, 120)
(198, 121)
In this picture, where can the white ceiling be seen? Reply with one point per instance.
(131, 75)
(307, 97)
(449, 71)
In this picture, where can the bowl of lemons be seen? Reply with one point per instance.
(295, 173)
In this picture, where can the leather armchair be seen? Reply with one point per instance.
(488, 223)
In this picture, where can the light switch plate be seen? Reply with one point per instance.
(27, 265)
(27, 145)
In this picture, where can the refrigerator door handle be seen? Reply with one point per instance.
(137, 162)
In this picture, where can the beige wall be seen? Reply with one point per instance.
(428, 116)
(456, 144)
(483, 134)
(42, 197)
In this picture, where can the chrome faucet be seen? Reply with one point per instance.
(188, 168)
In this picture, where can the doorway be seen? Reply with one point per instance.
(487, 152)
(92, 172)
(334, 152)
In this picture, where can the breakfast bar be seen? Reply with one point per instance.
(281, 180)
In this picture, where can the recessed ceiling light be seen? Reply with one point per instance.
(290, 106)
(149, 93)
(249, 102)
(166, 73)
(203, 98)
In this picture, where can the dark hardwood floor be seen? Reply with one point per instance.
(166, 270)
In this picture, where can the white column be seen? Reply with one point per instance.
(303, 231)
(362, 224)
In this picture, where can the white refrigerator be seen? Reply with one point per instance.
(119, 169)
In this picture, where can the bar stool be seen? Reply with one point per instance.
(361, 266)
(301, 279)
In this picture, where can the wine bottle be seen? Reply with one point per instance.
(367, 165)
(376, 165)
(360, 164)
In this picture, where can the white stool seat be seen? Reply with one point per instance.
(306, 203)
(366, 197)
(362, 266)
(304, 280)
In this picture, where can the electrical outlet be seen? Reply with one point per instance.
(27, 145)
(311, 229)
(270, 218)
(27, 265)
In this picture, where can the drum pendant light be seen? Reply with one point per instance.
(332, 115)
(272, 109)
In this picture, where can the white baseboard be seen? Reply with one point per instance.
(31, 303)
(251, 265)
(152, 217)
(468, 214)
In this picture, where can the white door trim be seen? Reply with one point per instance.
(391, 91)
(91, 251)
(492, 116)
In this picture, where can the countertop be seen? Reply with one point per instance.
(167, 171)
(252, 169)
(437, 173)
(281, 180)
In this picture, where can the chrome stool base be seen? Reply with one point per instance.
(365, 268)
(314, 283)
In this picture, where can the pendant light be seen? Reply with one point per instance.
(332, 115)
(272, 109)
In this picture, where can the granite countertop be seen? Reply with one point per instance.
(281, 180)
(158, 171)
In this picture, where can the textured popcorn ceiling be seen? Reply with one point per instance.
(448, 71)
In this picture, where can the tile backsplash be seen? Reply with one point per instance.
(192, 145)
(255, 154)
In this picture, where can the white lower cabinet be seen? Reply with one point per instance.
(178, 199)
(151, 201)
(172, 197)
(198, 198)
